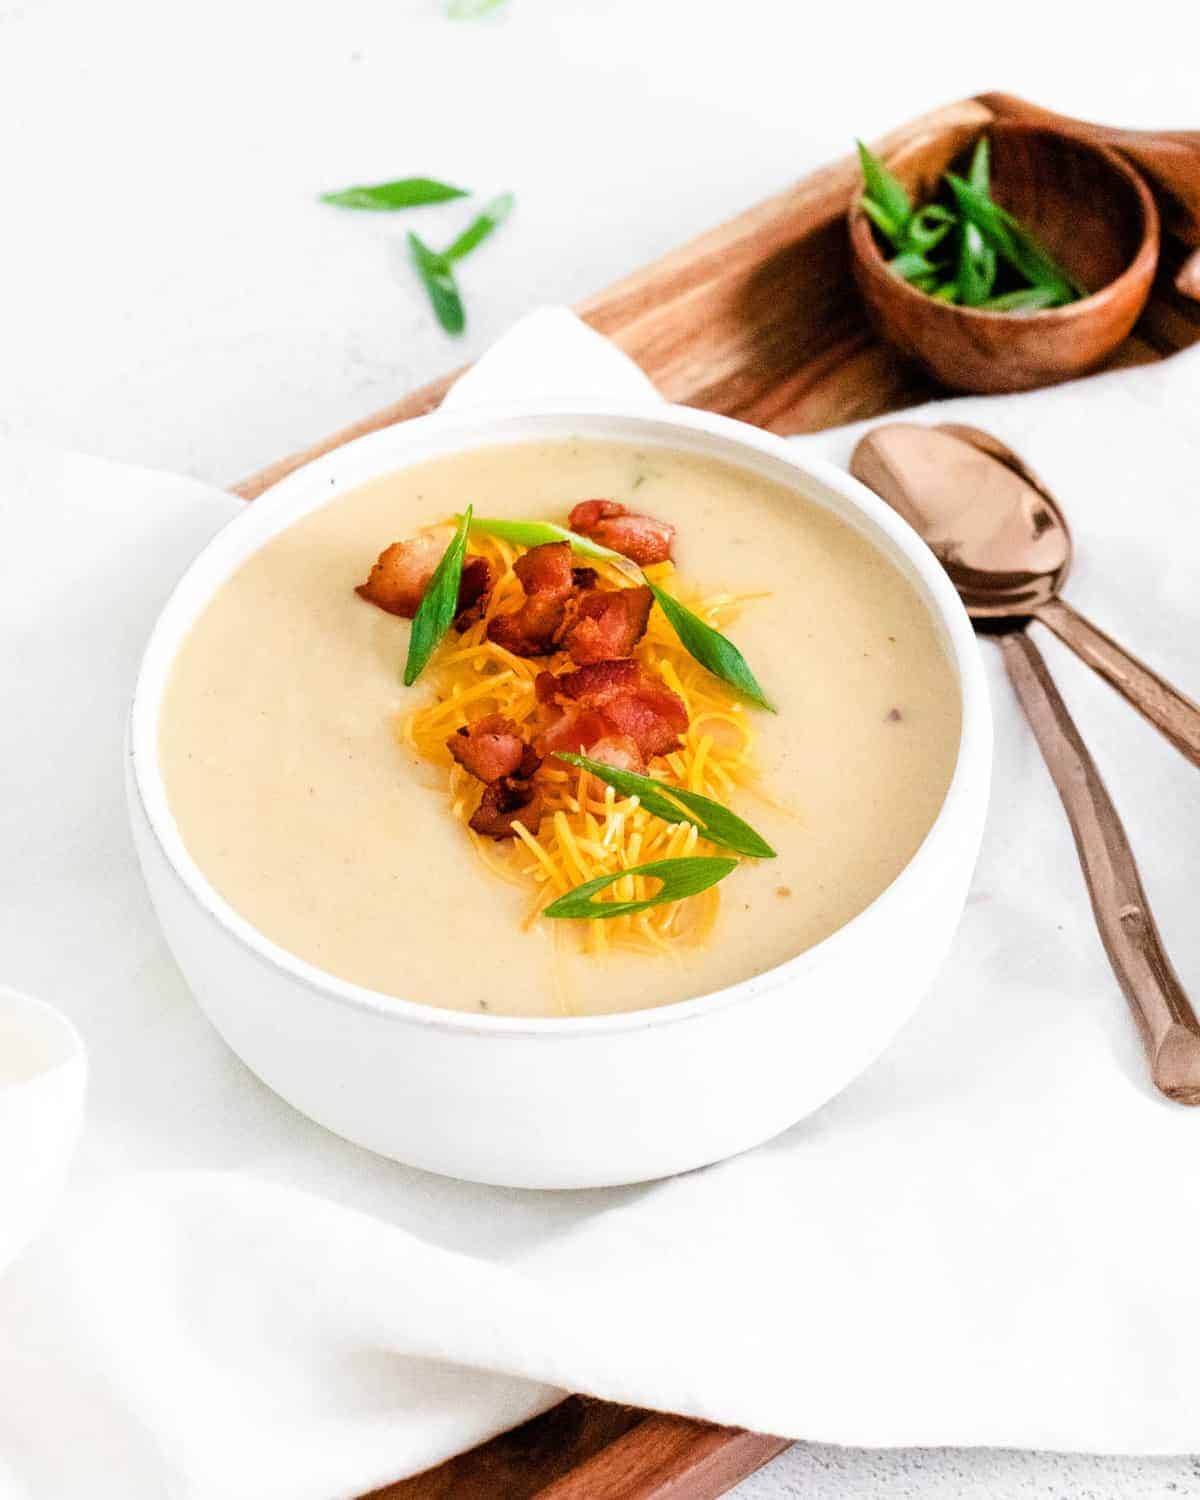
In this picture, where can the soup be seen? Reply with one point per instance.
(306, 798)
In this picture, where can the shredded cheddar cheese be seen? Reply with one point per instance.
(587, 829)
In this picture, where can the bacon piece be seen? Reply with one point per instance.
(401, 574)
(608, 623)
(584, 578)
(545, 573)
(588, 514)
(489, 748)
(619, 751)
(546, 569)
(598, 682)
(608, 698)
(653, 716)
(474, 590)
(504, 803)
(643, 539)
(575, 729)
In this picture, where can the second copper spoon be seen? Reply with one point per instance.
(1007, 549)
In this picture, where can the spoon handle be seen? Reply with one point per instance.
(1164, 1015)
(1168, 710)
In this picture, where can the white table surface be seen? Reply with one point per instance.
(172, 294)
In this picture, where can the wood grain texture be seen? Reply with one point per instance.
(520, 1464)
(758, 319)
(593, 1450)
(668, 1458)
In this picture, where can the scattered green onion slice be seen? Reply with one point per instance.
(434, 270)
(388, 197)
(439, 604)
(473, 10)
(710, 648)
(677, 804)
(680, 878)
(491, 216)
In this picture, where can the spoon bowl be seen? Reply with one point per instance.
(988, 519)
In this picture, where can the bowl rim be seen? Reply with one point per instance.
(386, 449)
(1141, 266)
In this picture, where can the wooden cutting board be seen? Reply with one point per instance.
(758, 319)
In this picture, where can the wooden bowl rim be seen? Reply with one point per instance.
(1141, 267)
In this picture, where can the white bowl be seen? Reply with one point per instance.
(565, 1102)
(43, 1075)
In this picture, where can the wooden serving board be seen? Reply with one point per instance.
(757, 319)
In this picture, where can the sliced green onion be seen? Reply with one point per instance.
(976, 267)
(389, 197)
(439, 604)
(538, 533)
(677, 804)
(491, 216)
(979, 175)
(885, 191)
(680, 878)
(1013, 242)
(434, 270)
(1025, 299)
(710, 648)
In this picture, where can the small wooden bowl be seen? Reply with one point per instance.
(1087, 206)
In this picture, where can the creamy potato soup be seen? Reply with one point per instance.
(317, 795)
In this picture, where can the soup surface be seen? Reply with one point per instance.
(298, 800)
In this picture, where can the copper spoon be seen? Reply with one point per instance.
(999, 533)
(1007, 550)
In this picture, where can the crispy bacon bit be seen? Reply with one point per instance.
(584, 578)
(474, 590)
(609, 698)
(643, 539)
(598, 682)
(489, 748)
(401, 574)
(585, 516)
(546, 569)
(545, 573)
(508, 800)
(575, 729)
(608, 623)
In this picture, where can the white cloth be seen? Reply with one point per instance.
(985, 1240)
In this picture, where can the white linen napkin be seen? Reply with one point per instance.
(985, 1240)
